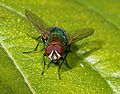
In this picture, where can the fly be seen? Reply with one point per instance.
(57, 42)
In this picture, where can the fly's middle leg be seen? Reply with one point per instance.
(36, 45)
(34, 49)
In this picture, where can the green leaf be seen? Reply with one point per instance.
(95, 60)
(11, 80)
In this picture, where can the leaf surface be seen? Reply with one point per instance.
(95, 60)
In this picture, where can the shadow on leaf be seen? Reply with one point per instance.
(79, 52)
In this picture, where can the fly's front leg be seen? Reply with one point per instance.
(44, 64)
(67, 64)
(59, 69)
(49, 64)
(64, 59)
(67, 50)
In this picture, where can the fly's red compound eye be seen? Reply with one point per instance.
(51, 48)
(59, 49)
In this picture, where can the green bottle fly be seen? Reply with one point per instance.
(56, 42)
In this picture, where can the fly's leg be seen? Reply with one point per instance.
(35, 37)
(67, 64)
(49, 64)
(34, 49)
(59, 69)
(37, 44)
(44, 43)
(67, 50)
(44, 64)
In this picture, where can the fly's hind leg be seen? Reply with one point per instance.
(35, 37)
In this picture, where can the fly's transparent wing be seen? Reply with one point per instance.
(80, 34)
(37, 22)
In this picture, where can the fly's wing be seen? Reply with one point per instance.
(37, 22)
(80, 34)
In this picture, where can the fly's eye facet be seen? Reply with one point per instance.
(49, 49)
(58, 48)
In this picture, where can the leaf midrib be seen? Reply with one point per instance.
(10, 55)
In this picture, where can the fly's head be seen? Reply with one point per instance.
(54, 52)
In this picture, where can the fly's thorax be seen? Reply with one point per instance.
(45, 36)
(54, 51)
(57, 34)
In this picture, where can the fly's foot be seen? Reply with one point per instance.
(42, 73)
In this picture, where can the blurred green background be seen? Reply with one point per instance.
(95, 61)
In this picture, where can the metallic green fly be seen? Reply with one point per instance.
(57, 42)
